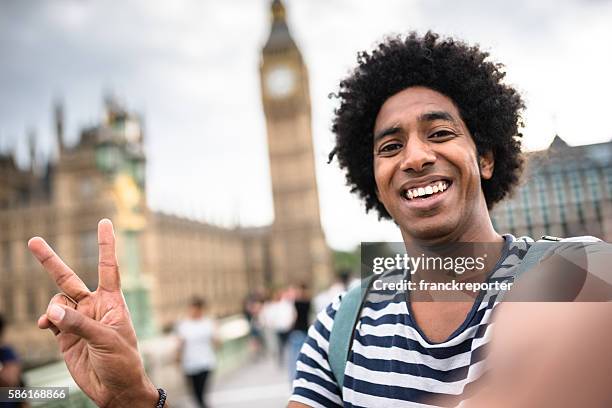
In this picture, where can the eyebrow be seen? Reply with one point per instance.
(436, 115)
(386, 132)
(425, 117)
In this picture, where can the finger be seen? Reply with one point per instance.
(44, 323)
(63, 300)
(108, 269)
(71, 321)
(64, 277)
(59, 299)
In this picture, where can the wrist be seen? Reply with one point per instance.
(145, 396)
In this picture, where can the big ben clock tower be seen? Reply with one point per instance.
(298, 248)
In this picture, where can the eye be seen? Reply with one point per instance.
(390, 147)
(442, 134)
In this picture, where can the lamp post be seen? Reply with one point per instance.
(124, 166)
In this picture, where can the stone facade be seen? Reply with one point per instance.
(566, 191)
(164, 259)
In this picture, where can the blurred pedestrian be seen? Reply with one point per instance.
(10, 367)
(302, 304)
(197, 343)
(279, 315)
(253, 305)
(340, 285)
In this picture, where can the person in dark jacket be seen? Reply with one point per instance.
(10, 366)
(302, 304)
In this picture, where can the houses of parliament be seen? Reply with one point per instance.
(164, 259)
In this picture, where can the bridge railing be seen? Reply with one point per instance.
(159, 355)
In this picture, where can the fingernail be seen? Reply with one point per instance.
(56, 313)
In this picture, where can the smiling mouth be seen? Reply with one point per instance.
(424, 192)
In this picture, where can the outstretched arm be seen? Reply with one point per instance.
(94, 330)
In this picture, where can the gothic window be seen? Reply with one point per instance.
(89, 246)
(86, 188)
(32, 303)
(510, 215)
(543, 205)
(608, 182)
(559, 192)
(526, 205)
(7, 263)
(577, 192)
(593, 184)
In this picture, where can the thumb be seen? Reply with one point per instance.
(68, 320)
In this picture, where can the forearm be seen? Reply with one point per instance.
(569, 356)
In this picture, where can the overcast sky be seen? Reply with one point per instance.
(190, 67)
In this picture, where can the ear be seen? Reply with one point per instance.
(486, 163)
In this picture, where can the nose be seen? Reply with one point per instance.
(417, 155)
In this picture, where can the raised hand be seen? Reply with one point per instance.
(94, 330)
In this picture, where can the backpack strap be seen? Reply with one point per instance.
(343, 329)
(534, 254)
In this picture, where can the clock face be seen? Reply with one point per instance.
(280, 81)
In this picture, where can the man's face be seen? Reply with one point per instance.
(195, 311)
(426, 166)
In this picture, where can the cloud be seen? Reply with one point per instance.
(191, 68)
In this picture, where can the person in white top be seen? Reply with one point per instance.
(278, 315)
(196, 350)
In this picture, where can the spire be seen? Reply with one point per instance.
(280, 37)
(278, 10)
(558, 143)
(114, 110)
(58, 117)
(32, 142)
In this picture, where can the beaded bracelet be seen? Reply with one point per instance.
(162, 398)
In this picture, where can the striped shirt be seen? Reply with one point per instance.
(391, 363)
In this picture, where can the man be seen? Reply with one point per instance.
(302, 303)
(428, 134)
(418, 114)
(197, 348)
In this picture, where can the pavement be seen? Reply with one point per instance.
(259, 383)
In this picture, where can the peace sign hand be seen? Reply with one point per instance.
(95, 334)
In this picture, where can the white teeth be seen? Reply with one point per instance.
(427, 190)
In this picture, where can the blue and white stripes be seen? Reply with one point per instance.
(390, 363)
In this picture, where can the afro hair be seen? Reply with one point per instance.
(490, 109)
